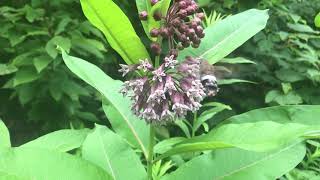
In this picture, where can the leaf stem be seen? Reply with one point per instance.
(150, 151)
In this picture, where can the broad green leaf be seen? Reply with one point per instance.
(228, 34)
(133, 129)
(232, 81)
(33, 163)
(237, 60)
(127, 125)
(303, 114)
(317, 20)
(167, 144)
(291, 98)
(62, 140)
(7, 69)
(25, 75)
(41, 62)
(245, 136)
(237, 164)
(302, 28)
(108, 17)
(109, 151)
(208, 114)
(4, 135)
(51, 46)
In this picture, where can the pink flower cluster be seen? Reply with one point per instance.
(164, 93)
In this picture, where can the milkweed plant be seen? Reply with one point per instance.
(168, 82)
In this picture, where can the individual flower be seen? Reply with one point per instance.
(167, 92)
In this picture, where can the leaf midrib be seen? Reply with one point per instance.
(110, 32)
(256, 162)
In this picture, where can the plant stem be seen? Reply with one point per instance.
(150, 151)
(157, 58)
(195, 118)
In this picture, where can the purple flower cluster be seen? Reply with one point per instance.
(166, 92)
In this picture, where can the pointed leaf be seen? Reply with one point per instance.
(246, 136)
(108, 17)
(227, 35)
(303, 114)
(33, 163)
(127, 125)
(62, 140)
(237, 164)
(109, 151)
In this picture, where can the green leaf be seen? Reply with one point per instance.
(144, 5)
(25, 75)
(317, 20)
(237, 60)
(232, 81)
(62, 140)
(127, 125)
(108, 17)
(4, 135)
(228, 34)
(109, 151)
(208, 114)
(51, 46)
(302, 28)
(41, 62)
(303, 114)
(161, 7)
(167, 144)
(33, 163)
(133, 129)
(7, 69)
(245, 136)
(291, 98)
(237, 164)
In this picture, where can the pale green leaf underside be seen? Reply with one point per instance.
(109, 151)
(43, 164)
(62, 140)
(237, 164)
(4, 135)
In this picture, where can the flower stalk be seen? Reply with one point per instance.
(150, 151)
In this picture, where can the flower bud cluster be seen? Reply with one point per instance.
(182, 25)
(166, 92)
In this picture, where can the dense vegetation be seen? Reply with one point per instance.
(41, 91)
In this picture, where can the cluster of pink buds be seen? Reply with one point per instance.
(182, 25)
(166, 92)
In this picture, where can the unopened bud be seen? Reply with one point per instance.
(153, 2)
(143, 15)
(200, 16)
(155, 47)
(164, 32)
(154, 32)
(157, 16)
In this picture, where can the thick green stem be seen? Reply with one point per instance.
(150, 151)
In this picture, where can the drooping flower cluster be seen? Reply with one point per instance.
(167, 92)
